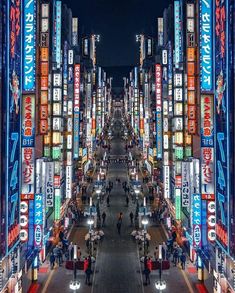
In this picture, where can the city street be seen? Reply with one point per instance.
(118, 267)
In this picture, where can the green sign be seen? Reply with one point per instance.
(178, 204)
(57, 207)
(46, 151)
(188, 151)
(179, 153)
(56, 153)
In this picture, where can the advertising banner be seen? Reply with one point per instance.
(206, 45)
(69, 178)
(178, 36)
(76, 111)
(58, 33)
(207, 147)
(166, 180)
(49, 184)
(29, 45)
(38, 220)
(197, 221)
(222, 141)
(158, 89)
(13, 126)
(178, 203)
(185, 185)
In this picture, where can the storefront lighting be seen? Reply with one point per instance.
(137, 191)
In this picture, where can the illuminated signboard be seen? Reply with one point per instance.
(177, 203)
(13, 127)
(49, 184)
(211, 220)
(76, 111)
(24, 220)
(69, 172)
(158, 89)
(44, 71)
(57, 204)
(38, 220)
(207, 147)
(29, 39)
(178, 36)
(166, 176)
(206, 45)
(222, 123)
(58, 33)
(197, 221)
(185, 184)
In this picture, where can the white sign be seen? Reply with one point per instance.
(57, 122)
(69, 141)
(178, 94)
(69, 124)
(166, 158)
(185, 184)
(178, 79)
(178, 123)
(69, 158)
(165, 108)
(56, 109)
(49, 184)
(165, 124)
(165, 142)
(70, 57)
(45, 10)
(57, 79)
(57, 94)
(166, 179)
(68, 181)
(164, 57)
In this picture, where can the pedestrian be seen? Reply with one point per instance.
(147, 276)
(103, 218)
(70, 251)
(52, 260)
(60, 256)
(183, 260)
(180, 251)
(127, 201)
(131, 218)
(120, 216)
(87, 271)
(119, 224)
(107, 200)
(175, 256)
(79, 253)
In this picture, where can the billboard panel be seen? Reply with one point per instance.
(13, 127)
(206, 45)
(76, 111)
(222, 123)
(29, 45)
(38, 220)
(197, 220)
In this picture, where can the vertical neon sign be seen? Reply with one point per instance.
(222, 124)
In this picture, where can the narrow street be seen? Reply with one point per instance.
(118, 267)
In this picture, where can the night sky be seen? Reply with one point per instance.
(117, 21)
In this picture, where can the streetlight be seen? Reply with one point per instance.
(74, 285)
(160, 285)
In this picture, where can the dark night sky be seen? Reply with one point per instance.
(117, 21)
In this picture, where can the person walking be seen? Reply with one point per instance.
(103, 218)
(175, 256)
(183, 260)
(131, 218)
(52, 260)
(107, 200)
(87, 270)
(119, 224)
(127, 201)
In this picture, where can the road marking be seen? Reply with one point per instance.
(48, 281)
(187, 281)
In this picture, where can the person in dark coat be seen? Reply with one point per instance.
(103, 218)
(183, 260)
(119, 224)
(52, 260)
(131, 218)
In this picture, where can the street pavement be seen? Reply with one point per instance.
(118, 268)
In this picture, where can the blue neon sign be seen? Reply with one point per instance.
(29, 41)
(206, 45)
